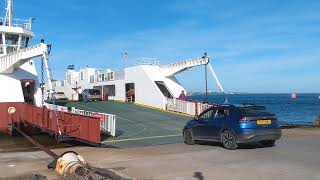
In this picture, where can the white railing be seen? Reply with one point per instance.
(25, 24)
(149, 61)
(170, 69)
(186, 107)
(56, 107)
(107, 121)
(181, 106)
(202, 107)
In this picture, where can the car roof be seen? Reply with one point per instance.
(242, 106)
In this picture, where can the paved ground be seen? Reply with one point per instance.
(295, 156)
(138, 126)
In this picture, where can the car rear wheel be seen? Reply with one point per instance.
(228, 140)
(268, 143)
(188, 137)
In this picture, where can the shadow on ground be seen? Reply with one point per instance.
(241, 146)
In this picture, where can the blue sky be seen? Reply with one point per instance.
(254, 46)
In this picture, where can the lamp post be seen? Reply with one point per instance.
(205, 56)
(125, 56)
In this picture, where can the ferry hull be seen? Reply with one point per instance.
(84, 128)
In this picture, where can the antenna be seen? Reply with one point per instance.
(9, 13)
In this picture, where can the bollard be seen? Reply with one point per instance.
(69, 163)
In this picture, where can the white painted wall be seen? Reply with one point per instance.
(11, 90)
(146, 90)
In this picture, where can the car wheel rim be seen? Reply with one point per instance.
(227, 139)
(188, 136)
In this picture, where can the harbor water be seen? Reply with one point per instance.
(302, 110)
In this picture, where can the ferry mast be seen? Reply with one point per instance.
(9, 12)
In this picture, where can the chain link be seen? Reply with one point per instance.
(42, 82)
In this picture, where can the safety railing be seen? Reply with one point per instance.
(173, 68)
(181, 106)
(202, 107)
(186, 107)
(25, 24)
(107, 121)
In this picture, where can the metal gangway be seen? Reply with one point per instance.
(178, 67)
(175, 68)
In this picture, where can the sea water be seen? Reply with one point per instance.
(302, 110)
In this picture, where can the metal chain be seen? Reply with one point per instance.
(42, 82)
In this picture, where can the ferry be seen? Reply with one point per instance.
(152, 84)
(23, 103)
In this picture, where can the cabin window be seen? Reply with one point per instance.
(163, 88)
(69, 79)
(1, 47)
(102, 77)
(24, 41)
(81, 76)
(92, 79)
(12, 39)
(27, 41)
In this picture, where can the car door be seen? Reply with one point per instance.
(217, 122)
(210, 127)
(200, 129)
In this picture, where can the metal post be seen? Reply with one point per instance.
(206, 82)
(125, 55)
(8, 17)
(46, 66)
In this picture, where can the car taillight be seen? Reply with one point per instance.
(244, 119)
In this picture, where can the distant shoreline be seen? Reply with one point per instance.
(241, 93)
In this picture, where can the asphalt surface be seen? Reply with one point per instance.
(295, 156)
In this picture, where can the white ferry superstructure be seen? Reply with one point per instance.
(152, 83)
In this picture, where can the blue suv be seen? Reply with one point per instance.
(232, 125)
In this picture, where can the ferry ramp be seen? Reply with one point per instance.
(136, 125)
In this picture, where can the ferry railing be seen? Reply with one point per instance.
(181, 106)
(25, 24)
(186, 107)
(202, 107)
(107, 121)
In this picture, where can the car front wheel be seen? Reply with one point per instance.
(228, 140)
(188, 137)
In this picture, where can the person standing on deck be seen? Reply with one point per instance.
(182, 96)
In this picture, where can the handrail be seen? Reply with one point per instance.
(25, 24)
(186, 107)
(107, 121)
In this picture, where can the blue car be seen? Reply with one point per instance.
(232, 125)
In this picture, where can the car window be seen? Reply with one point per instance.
(94, 92)
(248, 112)
(221, 112)
(206, 114)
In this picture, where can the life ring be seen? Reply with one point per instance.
(11, 110)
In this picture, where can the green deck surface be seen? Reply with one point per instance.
(136, 125)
